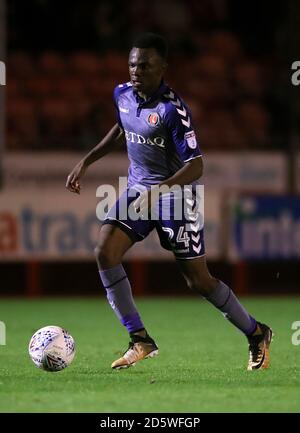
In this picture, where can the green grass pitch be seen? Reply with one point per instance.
(201, 366)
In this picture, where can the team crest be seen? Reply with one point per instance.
(153, 119)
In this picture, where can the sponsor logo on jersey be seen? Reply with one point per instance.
(191, 139)
(133, 137)
(153, 119)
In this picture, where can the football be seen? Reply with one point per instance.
(52, 348)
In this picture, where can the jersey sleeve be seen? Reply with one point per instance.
(116, 94)
(179, 122)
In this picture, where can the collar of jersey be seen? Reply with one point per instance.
(160, 91)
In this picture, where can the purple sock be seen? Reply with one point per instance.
(224, 299)
(119, 296)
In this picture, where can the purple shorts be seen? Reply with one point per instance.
(179, 231)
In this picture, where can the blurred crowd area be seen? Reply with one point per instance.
(64, 62)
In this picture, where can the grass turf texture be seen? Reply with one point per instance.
(201, 366)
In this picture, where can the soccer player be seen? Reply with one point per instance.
(163, 151)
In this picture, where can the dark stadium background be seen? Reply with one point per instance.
(231, 62)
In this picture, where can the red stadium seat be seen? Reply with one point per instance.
(85, 64)
(249, 79)
(70, 87)
(255, 121)
(116, 65)
(38, 87)
(21, 65)
(52, 64)
(226, 45)
(22, 123)
(212, 67)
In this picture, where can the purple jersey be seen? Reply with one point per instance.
(159, 133)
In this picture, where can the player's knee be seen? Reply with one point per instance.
(104, 256)
(203, 287)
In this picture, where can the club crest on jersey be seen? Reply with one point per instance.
(191, 139)
(153, 119)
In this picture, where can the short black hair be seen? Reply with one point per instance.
(152, 40)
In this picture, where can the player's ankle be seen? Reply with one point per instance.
(257, 331)
(140, 332)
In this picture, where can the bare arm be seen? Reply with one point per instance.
(191, 171)
(111, 141)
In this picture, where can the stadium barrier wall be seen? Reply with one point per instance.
(53, 224)
(40, 221)
(252, 171)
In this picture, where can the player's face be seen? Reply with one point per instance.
(146, 69)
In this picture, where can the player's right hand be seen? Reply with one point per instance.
(73, 183)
